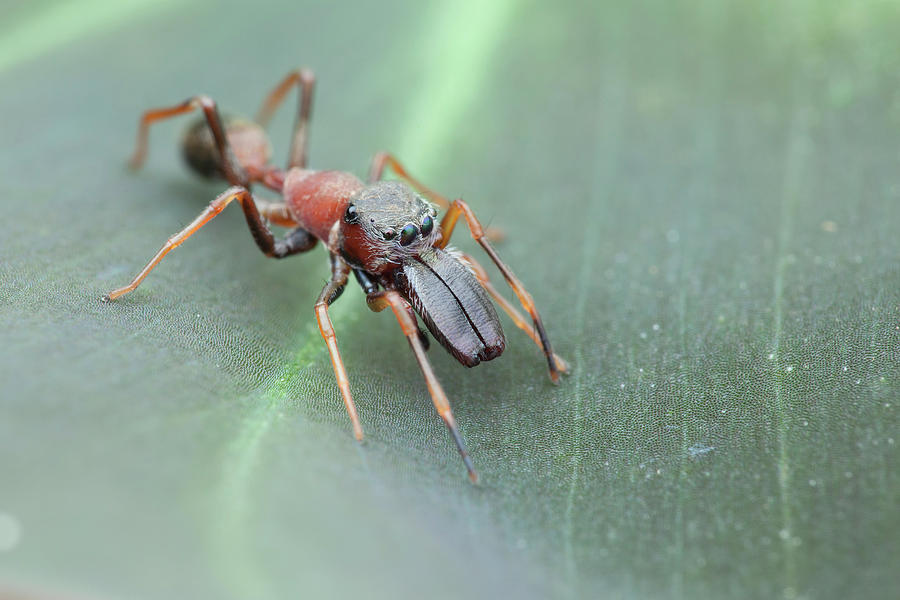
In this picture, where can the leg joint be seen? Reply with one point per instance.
(306, 75)
(204, 101)
(472, 221)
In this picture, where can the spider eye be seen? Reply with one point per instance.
(408, 234)
(427, 225)
(351, 216)
(389, 234)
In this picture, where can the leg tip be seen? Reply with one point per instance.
(557, 366)
(473, 477)
(136, 161)
(105, 299)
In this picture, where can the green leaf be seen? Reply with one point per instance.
(703, 199)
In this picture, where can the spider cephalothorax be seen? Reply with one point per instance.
(390, 222)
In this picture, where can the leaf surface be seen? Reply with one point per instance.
(702, 197)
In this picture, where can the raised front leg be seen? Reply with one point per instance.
(297, 240)
(300, 140)
(378, 301)
(448, 223)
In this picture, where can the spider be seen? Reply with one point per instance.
(383, 232)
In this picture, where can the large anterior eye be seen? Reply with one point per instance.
(408, 234)
(351, 216)
(427, 225)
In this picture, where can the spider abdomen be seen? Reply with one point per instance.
(248, 141)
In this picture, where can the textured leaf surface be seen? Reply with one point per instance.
(703, 197)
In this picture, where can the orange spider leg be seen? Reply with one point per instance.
(378, 301)
(299, 143)
(448, 223)
(297, 240)
(276, 213)
(340, 270)
(510, 310)
(385, 159)
(233, 172)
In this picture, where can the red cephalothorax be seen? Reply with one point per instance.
(317, 199)
(384, 232)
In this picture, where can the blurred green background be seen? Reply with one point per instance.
(704, 198)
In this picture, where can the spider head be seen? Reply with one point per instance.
(385, 224)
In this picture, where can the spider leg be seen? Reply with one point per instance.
(340, 271)
(297, 240)
(307, 82)
(370, 287)
(448, 223)
(233, 172)
(378, 301)
(276, 213)
(383, 160)
(517, 318)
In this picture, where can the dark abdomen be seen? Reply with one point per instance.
(248, 141)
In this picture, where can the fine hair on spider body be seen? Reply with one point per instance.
(385, 233)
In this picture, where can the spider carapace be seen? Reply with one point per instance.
(383, 232)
